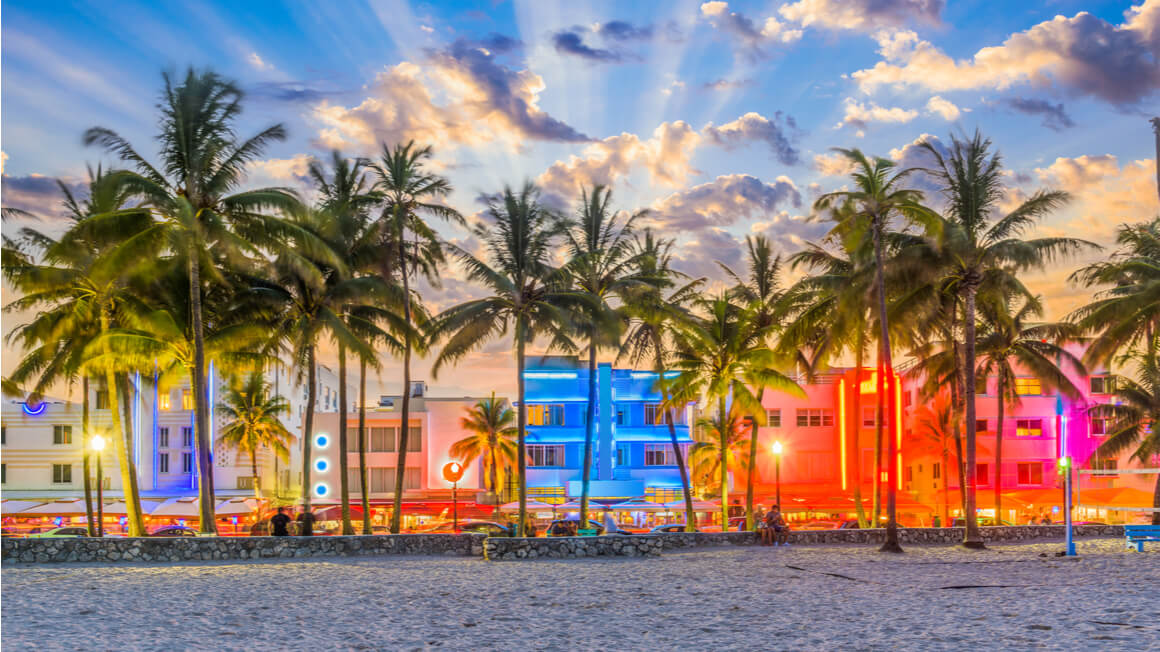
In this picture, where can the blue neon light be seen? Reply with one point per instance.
(321, 464)
(321, 440)
(34, 411)
(550, 374)
(320, 489)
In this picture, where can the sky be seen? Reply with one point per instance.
(717, 117)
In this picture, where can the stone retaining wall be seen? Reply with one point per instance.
(178, 549)
(906, 536)
(511, 549)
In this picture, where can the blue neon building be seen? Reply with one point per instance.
(632, 454)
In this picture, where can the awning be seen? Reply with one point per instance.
(13, 507)
(119, 507)
(532, 506)
(334, 513)
(236, 507)
(698, 506)
(178, 508)
(1113, 497)
(57, 508)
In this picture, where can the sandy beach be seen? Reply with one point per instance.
(1008, 597)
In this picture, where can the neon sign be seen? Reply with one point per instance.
(34, 410)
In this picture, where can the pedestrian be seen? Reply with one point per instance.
(306, 522)
(279, 522)
(610, 526)
(529, 526)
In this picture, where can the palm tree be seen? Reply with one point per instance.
(933, 427)
(722, 443)
(601, 266)
(528, 296)
(1134, 415)
(655, 320)
(252, 421)
(878, 197)
(720, 357)
(202, 163)
(409, 192)
(1127, 315)
(985, 254)
(1008, 341)
(493, 441)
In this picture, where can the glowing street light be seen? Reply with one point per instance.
(97, 443)
(1065, 468)
(777, 449)
(453, 473)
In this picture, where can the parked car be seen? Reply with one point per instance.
(591, 524)
(174, 531)
(490, 528)
(61, 533)
(670, 528)
(848, 524)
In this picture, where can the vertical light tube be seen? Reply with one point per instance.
(895, 385)
(842, 428)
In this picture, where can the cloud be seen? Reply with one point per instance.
(619, 30)
(427, 29)
(750, 39)
(944, 108)
(460, 96)
(570, 42)
(722, 202)
(862, 15)
(296, 91)
(38, 194)
(256, 61)
(790, 232)
(698, 256)
(1054, 115)
(860, 115)
(833, 165)
(1084, 55)
(3, 161)
(912, 155)
(778, 134)
(723, 84)
(1105, 192)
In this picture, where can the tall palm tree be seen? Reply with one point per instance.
(879, 197)
(722, 443)
(252, 423)
(655, 320)
(528, 296)
(409, 245)
(1127, 315)
(986, 252)
(491, 423)
(191, 193)
(1134, 416)
(601, 266)
(1010, 340)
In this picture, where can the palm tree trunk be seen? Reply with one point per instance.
(957, 410)
(972, 538)
(86, 436)
(859, 362)
(1156, 502)
(885, 366)
(521, 425)
(999, 456)
(589, 431)
(946, 474)
(205, 489)
(343, 460)
(136, 523)
(254, 470)
(130, 448)
(405, 410)
(690, 516)
(362, 445)
(750, 525)
(723, 457)
(308, 424)
(493, 472)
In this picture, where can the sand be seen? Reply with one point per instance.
(815, 598)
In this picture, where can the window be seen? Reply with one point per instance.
(164, 401)
(245, 482)
(1029, 427)
(1101, 425)
(980, 425)
(3, 473)
(383, 440)
(1105, 465)
(163, 463)
(1030, 473)
(982, 474)
(869, 416)
(62, 435)
(910, 474)
(187, 462)
(814, 417)
(61, 473)
(163, 436)
(102, 400)
(1102, 385)
(187, 436)
(546, 455)
(186, 399)
(936, 470)
(980, 384)
(773, 418)
(906, 400)
(622, 455)
(620, 417)
(654, 415)
(383, 478)
(546, 415)
(1028, 387)
(414, 439)
(3, 434)
(662, 454)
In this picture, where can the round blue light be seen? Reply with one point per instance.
(321, 464)
(321, 440)
(34, 410)
(321, 489)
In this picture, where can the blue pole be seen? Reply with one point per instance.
(1067, 508)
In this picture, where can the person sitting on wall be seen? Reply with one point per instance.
(767, 527)
(279, 522)
(780, 527)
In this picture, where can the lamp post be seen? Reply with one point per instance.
(1065, 466)
(97, 443)
(453, 472)
(777, 448)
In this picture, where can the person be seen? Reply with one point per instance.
(780, 533)
(558, 529)
(306, 523)
(767, 527)
(529, 526)
(1046, 520)
(758, 517)
(610, 526)
(736, 509)
(279, 522)
(936, 521)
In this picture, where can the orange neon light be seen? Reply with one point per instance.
(870, 385)
(842, 429)
(898, 423)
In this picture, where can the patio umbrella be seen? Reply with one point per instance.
(1113, 497)
(235, 507)
(334, 513)
(177, 507)
(13, 507)
(638, 505)
(58, 508)
(119, 508)
(532, 506)
(698, 506)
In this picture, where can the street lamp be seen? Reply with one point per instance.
(453, 473)
(1065, 467)
(777, 448)
(97, 443)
